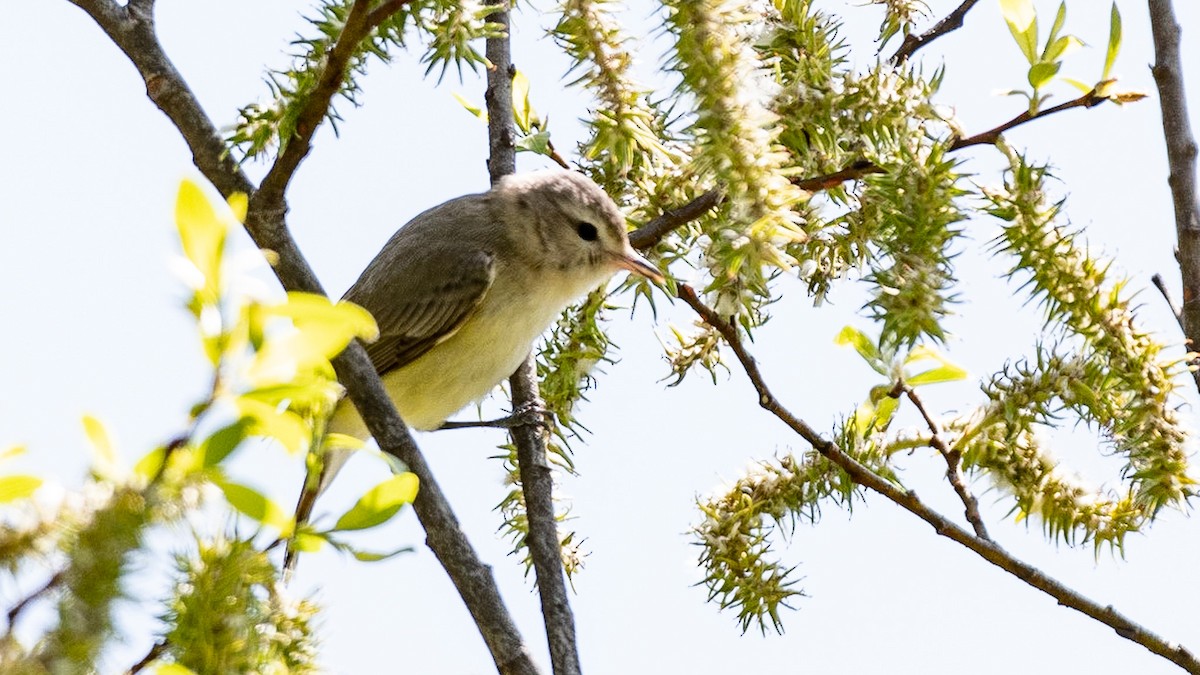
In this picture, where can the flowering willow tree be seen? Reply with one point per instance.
(768, 156)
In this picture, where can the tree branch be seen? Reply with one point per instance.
(359, 23)
(134, 35)
(1161, 285)
(953, 465)
(1181, 159)
(1088, 100)
(906, 499)
(864, 167)
(952, 22)
(537, 479)
(651, 233)
(14, 612)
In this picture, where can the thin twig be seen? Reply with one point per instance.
(990, 136)
(1181, 159)
(1161, 285)
(15, 612)
(558, 159)
(472, 578)
(864, 167)
(537, 479)
(653, 232)
(952, 22)
(906, 499)
(359, 23)
(953, 459)
(156, 651)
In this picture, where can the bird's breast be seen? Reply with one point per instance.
(486, 349)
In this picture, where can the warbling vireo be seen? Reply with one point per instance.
(461, 292)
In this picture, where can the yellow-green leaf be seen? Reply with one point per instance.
(309, 542)
(1114, 42)
(472, 108)
(201, 232)
(1040, 74)
(150, 464)
(369, 556)
(239, 203)
(520, 101)
(944, 373)
(102, 445)
(1022, 23)
(257, 506)
(324, 328)
(283, 425)
(884, 412)
(18, 486)
(173, 669)
(1083, 88)
(854, 337)
(11, 452)
(343, 442)
(380, 503)
(1059, 20)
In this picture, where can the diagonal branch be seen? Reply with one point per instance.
(906, 499)
(864, 167)
(133, 33)
(1181, 159)
(952, 22)
(651, 233)
(359, 23)
(537, 479)
(953, 459)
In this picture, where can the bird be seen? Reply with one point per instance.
(462, 290)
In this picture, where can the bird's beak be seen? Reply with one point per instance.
(635, 263)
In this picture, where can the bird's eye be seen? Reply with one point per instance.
(587, 231)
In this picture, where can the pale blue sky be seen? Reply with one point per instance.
(93, 325)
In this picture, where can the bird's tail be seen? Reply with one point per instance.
(324, 461)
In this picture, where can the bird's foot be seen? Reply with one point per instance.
(530, 414)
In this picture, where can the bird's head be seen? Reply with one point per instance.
(569, 223)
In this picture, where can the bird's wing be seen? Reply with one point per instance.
(419, 303)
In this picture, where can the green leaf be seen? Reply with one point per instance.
(380, 503)
(538, 143)
(1114, 42)
(884, 412)
(472, 108)
(257, 506)
(852, 336)
(1040, 74)
(18, 486)
(223, 441)
(1022, 23)
(368, 556)
(944, 373)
